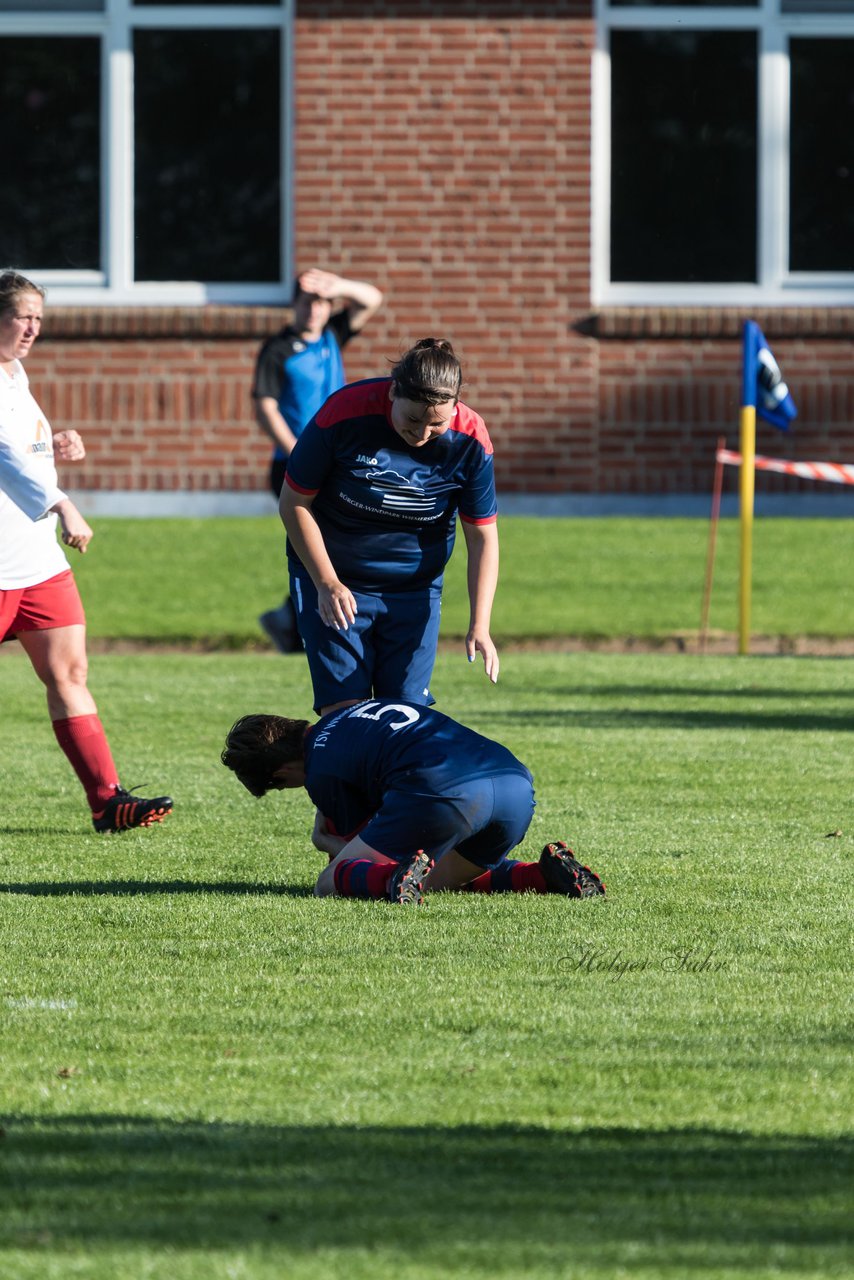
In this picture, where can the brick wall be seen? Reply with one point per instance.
(442, 151)
(161, 396)
(669, 386)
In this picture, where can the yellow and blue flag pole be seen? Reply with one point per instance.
(763, 391)
(746, 482)
(746, 479)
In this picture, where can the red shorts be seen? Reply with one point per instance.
(53, 603)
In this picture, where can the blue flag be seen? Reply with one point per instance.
(763, 384)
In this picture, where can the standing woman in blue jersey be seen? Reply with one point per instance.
(373, 489)
(297, 370)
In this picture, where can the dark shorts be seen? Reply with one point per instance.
(53, 603)
(278, 467)
(483, 819)
(389, 652)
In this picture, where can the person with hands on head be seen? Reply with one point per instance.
(370, 502)
(408, 801)
(296, 371)
(39, 602)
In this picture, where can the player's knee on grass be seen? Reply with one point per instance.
(325, 884)
(451, 872)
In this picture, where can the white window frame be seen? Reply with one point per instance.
(114, 284)
(776, 286)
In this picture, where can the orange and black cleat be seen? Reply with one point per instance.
(563, 873)
(406, 885)
(126, 810)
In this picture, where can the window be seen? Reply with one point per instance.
(821, 181)
(724, 152)
(152, 153)
(50, 104)
(206, 160)
(680, 149)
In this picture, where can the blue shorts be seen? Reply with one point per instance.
(388, 652)
(483, 819)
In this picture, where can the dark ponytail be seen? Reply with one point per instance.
(256, 745)
(429, 373)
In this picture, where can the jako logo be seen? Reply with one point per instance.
(371, 462)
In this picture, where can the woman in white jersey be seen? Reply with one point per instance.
(39, 602)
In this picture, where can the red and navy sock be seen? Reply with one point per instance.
(362, 878)
(84, 742)
(510, 877)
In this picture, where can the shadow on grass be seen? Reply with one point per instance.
(43, 831)
(718, 691)
(515, 1197)
(680, 718)
(130, 888)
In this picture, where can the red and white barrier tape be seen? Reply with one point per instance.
(837, 472)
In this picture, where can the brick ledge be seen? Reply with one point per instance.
(717, 322)
(213, 321)
(220, 321)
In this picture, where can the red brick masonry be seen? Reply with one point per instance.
(443, 151)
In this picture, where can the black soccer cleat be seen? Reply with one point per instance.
(126, 810)
(281, 626)
(564, 874)
(405, 886)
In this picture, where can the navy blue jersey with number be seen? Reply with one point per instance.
(388, 511)
(356, 756)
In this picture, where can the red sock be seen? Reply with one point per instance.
(510, 877)
(84, 742)
(528, 878)
(361, 878)
(481, 884)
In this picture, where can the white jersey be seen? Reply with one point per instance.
(29, 551)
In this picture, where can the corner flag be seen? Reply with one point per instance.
(763, 382)
(763, 392)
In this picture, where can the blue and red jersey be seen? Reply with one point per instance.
(356, 756)
(388, 511)
(299, 374)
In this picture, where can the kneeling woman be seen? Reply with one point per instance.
(408, 800)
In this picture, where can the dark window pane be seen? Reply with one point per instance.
(50, 194)
(683, 156)
(207, 160)
(821, 197)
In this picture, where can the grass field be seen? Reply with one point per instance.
(207, 1074)
(595, 578)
